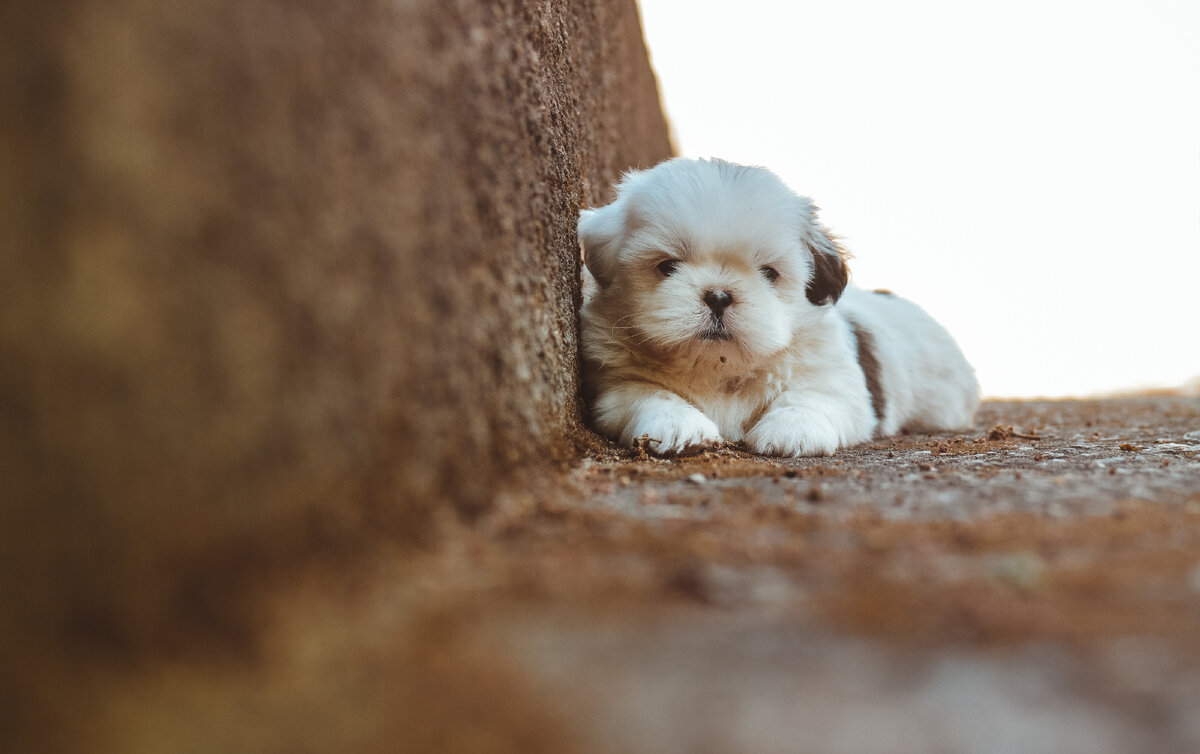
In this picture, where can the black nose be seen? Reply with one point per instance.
(717, 301)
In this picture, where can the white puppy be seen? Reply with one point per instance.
(720, 311)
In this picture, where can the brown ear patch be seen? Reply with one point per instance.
(869, 363)
(830, 277)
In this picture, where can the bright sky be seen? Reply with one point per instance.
(1027, 171)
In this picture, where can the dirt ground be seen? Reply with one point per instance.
(1031, 586)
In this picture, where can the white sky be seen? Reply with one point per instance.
(1027, 171)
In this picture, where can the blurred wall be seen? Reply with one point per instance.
(278, 280)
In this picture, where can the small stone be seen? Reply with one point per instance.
(696, 479)
(999, 433)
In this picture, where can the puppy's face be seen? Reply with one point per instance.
(699, 257)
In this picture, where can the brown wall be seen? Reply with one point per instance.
(278, 278)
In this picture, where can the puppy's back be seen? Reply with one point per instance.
(926, 381)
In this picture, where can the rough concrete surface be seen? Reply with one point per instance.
(278, 282)
(1031, 586)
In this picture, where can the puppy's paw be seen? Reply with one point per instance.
(673, 430)
(793, 431)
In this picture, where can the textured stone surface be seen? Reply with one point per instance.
(278, 279)
(1034, 589)
(1030, 586)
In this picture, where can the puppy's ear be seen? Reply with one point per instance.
(830, 274)
(601, 232)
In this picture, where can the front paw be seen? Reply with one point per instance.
(673, 430)
(793, 432)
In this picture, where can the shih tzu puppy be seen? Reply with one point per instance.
(719, 310)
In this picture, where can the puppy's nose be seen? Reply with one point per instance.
(717, 301)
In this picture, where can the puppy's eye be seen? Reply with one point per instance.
(769, 272)
(667, 267)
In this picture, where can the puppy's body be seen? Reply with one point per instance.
(719, 311)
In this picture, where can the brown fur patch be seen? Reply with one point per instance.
(870, 367)
(830, 277)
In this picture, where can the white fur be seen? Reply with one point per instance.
(784, 378)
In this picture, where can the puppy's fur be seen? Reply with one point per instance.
(719, 310)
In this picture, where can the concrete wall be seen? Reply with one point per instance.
(277, 280)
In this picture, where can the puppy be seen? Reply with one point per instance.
(718, 310)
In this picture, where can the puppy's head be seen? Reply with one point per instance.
(699, 254)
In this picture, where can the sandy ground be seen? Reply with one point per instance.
(1031, 586)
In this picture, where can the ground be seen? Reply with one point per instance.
(1030, 586)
